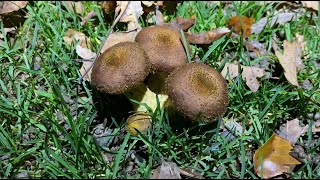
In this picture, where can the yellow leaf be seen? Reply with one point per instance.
(139, 121)
(273, 157)
(290, 60)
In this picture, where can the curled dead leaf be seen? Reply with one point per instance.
(85, 53)
(206, 37)
(235, 24)
(273, 158)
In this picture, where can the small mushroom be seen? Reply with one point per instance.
(120, 68)
(197, 90)
(164, 47)
(138, 121)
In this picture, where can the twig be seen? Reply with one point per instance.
(103, 42)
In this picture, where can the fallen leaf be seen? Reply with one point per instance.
(292, 131)
(148, 3)
(108, 6)
(85, 66)
(72, 36)
(133, 10)
(113, 39)
(235, 24)
(273, 158)
(139, 121)
(311, 4)
(280, 18)
(249, 74)
(90, 15)
(290, 60)
(85, 53)
(6, 30)
(181, 23)
(117, 37)
(77, 6)
(11, 6)
(159, 18)
(206, 37)
(167, 170)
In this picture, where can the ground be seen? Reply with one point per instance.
(54, 126)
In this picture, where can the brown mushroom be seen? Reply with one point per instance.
(120, 68)
(164, 47)
(198, 91)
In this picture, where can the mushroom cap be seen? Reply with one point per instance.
(198, 90)
(120, 68)
(164, 47)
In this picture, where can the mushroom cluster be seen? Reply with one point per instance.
(157, 61)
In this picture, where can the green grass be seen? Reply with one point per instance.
(47, 118)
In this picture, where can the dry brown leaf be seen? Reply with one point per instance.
(311, 4)
(181, 23)
(280, 18)
(117, 37)
(290, 60)
(85, 53)
(273, 158)
(206, 37)
(85, 66)
(292, 131)
(235, 24)
(108, 6)
(11, 6)
(72, 36)
(78, 6)
(249, 74)
(133, 10)
(167, 170)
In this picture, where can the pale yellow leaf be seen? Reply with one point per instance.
(311, 4)
(85, 66)
(249, 74)
(85, 53)
(290, 60)
(72, 36)
(117, 37)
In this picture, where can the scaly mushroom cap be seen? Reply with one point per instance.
(164, 47)
(120, 68)
(198, 90)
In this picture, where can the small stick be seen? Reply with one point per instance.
(103, 42)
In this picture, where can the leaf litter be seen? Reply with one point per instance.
(273, 158)
(290, 59)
